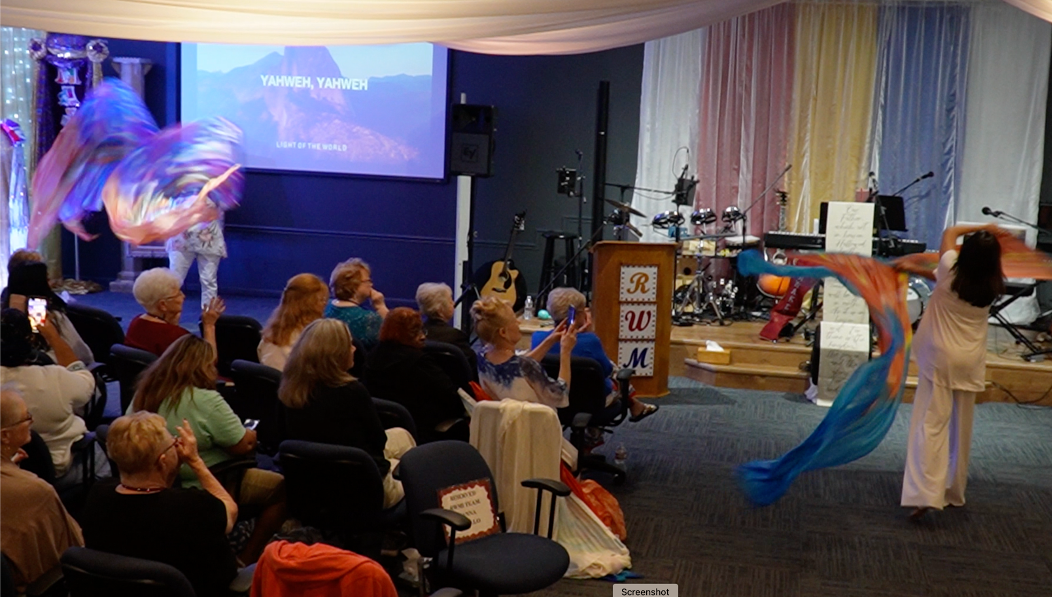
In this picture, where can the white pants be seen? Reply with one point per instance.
(939, 444)
(399, 441)
(207, 269)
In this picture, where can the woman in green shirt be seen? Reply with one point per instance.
(179, 386)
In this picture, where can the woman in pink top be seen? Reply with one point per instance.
(950, 348)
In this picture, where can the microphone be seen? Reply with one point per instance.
(988, 212)
(927, 176)
(580, 154)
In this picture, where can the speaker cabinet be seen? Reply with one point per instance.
(471, 141)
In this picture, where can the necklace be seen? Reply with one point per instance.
(143, 490)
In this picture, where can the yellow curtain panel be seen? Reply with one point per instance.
(835, 63)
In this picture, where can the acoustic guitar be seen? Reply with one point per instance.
(500, 278)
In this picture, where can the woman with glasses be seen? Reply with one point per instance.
(158, 292)
(35, 529)
(180, 387)
(144, 516)
(352, 288)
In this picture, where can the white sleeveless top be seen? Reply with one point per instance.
(950, 344)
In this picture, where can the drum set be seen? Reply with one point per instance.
(707, 291)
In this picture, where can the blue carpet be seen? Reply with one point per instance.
(837, 532)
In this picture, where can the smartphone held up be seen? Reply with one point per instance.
(37, 312)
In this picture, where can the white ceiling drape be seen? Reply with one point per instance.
(488, 26)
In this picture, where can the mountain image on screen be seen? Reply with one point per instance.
(296, 117)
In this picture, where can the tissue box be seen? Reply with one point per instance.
(714, 357)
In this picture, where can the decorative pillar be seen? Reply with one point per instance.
(133, 72)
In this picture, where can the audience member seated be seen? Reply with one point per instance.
(436, 304)
(29, 279)
(180, 387)
(352, 285)
(303, 301)
(588, 345)
(503, 373)
(52, 392)
(158, 292)
(35, 528)
(398, 370)
(20, 256)
(326, 404)
(144, 517)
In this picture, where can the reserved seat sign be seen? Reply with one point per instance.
(473, 500)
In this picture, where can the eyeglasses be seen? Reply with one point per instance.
(174, 444)
(27, 418)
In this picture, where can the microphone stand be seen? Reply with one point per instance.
(915, 181)
(1006, 216)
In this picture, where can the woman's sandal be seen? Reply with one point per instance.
(648, 410)
(919, 513)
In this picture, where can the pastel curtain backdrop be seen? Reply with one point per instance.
(919, 114)
(835, 61)
(746, 92)
(668, 122)
(1007, 92)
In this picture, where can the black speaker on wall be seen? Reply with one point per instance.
(471, 142)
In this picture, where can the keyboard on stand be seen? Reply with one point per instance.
(812, 242)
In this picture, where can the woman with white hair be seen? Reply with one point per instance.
(158, 292)
(143, 516)
(560, 300)
(436, 305)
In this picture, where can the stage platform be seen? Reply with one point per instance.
(762, 365)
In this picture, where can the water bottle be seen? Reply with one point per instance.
(527, 310)
(621, 456)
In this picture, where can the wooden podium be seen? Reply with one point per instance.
(632, 307)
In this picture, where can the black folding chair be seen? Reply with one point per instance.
(497, 564)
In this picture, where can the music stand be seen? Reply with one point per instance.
(892, 212)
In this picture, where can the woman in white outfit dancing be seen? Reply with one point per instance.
(950, 348)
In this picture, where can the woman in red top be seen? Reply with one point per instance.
(158, 292)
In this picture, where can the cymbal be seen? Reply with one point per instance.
(625, 208)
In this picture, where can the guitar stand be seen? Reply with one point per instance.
(1034, 353)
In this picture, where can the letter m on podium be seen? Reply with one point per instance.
(638, 355)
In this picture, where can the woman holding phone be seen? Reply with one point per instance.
(27, 286)
(53, 393)
(505, 374)
(566, 303)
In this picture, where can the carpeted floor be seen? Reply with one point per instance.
(837, 532)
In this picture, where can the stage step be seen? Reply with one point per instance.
(773, 378)
(784, 379)
(762, 354)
